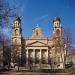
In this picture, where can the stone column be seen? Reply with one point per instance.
(40, 56)
(27, 56)
(47, 55)
(34, 55)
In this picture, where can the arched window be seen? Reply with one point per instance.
(57, 32)
(16, 24)
(37, 33)
(58, 25)
(15, 41)
(16, 32)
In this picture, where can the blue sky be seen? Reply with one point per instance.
(42, 12)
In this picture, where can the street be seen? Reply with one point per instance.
(32, 73)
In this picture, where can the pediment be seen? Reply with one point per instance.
(37, 43)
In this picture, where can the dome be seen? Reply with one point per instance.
(17, 18)
(37, 29)
(37, 32)
(56, 19)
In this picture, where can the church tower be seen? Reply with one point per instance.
(57, 29)
(58, 42)
(16, 41)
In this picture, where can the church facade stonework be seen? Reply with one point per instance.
(38, 49)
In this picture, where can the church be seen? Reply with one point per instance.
(38, 49)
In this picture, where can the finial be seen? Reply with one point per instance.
(37, 25)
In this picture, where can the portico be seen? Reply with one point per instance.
(37, 55)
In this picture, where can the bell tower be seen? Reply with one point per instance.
(16, 41)
(57, 29)
(58, 41)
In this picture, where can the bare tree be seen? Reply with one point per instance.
(69, 38)
(5, 14)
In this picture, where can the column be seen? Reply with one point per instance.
(27, 56)
(47, 55)
(40, 56)
(34, 55)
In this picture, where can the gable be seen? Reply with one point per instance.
(37, 43)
